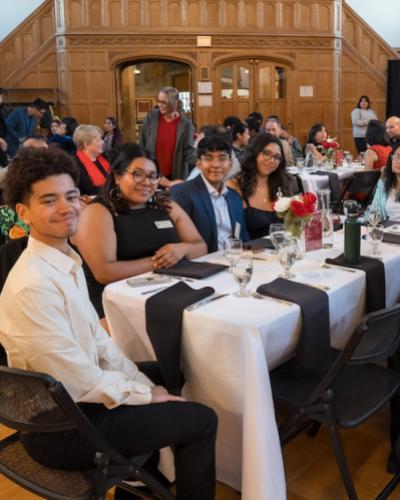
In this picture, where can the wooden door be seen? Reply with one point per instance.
(253, 85)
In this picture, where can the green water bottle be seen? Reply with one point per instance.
(352, 235)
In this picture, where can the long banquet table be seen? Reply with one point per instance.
(229, 346)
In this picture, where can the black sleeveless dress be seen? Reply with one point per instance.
(137, 237)
(258, 221)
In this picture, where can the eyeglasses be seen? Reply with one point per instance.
(268, 155)
(221, 158)
(139, 176)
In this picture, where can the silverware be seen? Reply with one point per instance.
(260, 296)
(154, 290)
(317, 285)
(205, 301)
(330, 266)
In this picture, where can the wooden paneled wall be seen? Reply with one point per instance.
(80, 45)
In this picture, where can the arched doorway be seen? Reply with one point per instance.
(139, 83)
(250, 85)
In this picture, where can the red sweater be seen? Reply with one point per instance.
(165, 144)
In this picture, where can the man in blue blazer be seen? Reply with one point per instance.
(215, 209)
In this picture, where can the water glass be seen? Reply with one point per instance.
(349, 160)
(277, 234)
(300, 163)
(287, 253)
(242, 271)
(362, 158)
(233, 248)
(375, 236)
(327, 228)
(374, 217)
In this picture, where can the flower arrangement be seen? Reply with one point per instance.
(328, 148)
(296, 211)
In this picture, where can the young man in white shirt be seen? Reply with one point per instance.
(47, 324)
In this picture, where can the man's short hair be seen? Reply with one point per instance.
(253, 124)
(216, 142)
(39, 104)
(35, 141)
(274, 119)
(33, 165)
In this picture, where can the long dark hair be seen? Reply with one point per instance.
(376, 134)
(118, 137)
(120, 158)
(247, 179)
(366, 98)
(313, 131)
(389, 177)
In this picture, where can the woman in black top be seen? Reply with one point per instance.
(263, 176)
(124, 233)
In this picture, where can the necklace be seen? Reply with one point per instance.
(264, 194)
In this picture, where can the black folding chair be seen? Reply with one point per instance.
(362, 183)
(353, 388)
(35, 402)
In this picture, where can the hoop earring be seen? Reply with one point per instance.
(115, 193)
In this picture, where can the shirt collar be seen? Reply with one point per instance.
(64, 263)
(211, 189)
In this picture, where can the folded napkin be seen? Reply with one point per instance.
(191, 269)
(334, 183)
(313, 352)
(164, 324)
(375, 280)
(259, 243)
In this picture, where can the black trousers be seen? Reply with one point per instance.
(361, 144)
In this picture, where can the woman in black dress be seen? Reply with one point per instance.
(123, 232)
(263, 176)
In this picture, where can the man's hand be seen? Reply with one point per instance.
(159, 394)
(168, 255)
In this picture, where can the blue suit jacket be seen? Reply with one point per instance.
(19, 125)
(194, 198)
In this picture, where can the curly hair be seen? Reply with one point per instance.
(389, 177)
(32, 165)
(247, 179)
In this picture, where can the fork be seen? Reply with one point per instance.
(340, 268)
(260, 296)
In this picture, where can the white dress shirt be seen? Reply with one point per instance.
(393, 206)
(48, 324)
(222, 217)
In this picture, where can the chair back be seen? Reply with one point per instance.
(9, 254)
(364, 182)
(375, 338)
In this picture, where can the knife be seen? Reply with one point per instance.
(202, 302)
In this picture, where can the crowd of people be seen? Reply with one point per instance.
(124, 209)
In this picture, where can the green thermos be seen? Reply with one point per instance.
(352, 235)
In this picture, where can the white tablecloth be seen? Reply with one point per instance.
(230, 345)
(313, 183)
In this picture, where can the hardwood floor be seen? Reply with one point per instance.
(311, 470)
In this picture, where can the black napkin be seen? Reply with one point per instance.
(334, 183)
(191, 269)
(391, 238)
(313, 351)
(259, 243)
(375, 282)
(164, 324)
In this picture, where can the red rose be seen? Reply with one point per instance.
(335, 145)
(325, 144)
(299, 208)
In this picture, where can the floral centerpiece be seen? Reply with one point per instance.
(328, 148)
(296, 212)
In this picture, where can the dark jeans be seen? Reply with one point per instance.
(360, 143)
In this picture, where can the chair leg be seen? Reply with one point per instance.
(342, 463)
(314, 429)
(389, 488)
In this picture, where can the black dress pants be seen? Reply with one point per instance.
(189, 427)
(361, 144)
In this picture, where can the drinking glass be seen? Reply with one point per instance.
(287, 253)
(349, 160)
(362, 158)
(233, 248)
(242, 272)
(300, 163)
(277, 234)
(375, 236)
(374, 217)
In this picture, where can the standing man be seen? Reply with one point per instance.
(273, 126)
(215, 209)
(169, 136)
(48, 324)
(393, 130)
(21, 123)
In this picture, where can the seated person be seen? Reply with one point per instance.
(387, 195)
(124, 232)
(263, 174)
(63, 133)
(92, 164)
(379, 149)
(215, 209)
(316, 136)
(273, 126)
(240, 139)
(49, 325)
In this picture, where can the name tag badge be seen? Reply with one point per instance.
(163, 224)
(236, 233)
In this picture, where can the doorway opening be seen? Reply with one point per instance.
(139, 84)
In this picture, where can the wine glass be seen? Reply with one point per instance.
(287, 253)
(374, 217)
(242, 271)
(300, 164)
(233, 248)
(277, 234)
(375, 236)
